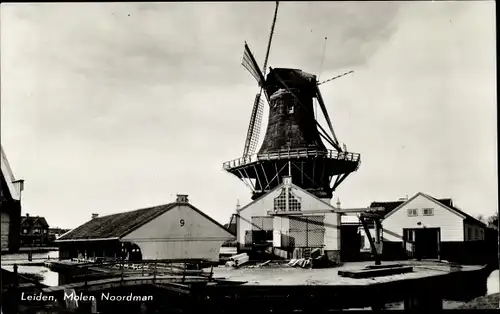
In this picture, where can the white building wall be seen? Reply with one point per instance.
(452, 226)
(180, 233)
(366, 246)
(332, 231)
(261, 206)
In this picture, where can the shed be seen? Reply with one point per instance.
(175, 231)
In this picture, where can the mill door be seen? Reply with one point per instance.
(427, 243)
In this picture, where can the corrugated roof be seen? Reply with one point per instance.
(116, 225)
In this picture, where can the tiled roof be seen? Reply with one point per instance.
(116, 225)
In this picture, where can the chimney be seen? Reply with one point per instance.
(182, 198)
(94, 216)
(238, 205)
(338, 203)
(287, 180)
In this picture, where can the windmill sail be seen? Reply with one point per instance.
(251, 65)
(258, 108)
(327, 118)
(254, 126)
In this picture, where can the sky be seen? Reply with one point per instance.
(110, 107)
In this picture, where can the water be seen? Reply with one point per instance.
(23, 257)
(50, 278)
(493, 283)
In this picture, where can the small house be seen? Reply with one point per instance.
(427, 227)
(34, 231)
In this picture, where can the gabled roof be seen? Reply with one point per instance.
(447, 203)
(32, 220)
(388, 206)
(8, 176)
(279, 187)
(116, 226)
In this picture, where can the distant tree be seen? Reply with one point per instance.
(482, 219)
(493, 219)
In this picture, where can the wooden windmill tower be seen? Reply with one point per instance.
(293, 144)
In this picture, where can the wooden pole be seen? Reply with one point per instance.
(372, 243)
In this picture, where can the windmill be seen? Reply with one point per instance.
(293, 144)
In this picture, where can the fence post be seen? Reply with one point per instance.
(123, 270)
(154, 273)
(16, 278)
(86, 271)
(184, 273)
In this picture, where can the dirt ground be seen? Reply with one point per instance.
(491, 301)
(281, 274)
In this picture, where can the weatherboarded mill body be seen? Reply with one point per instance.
(175, 231)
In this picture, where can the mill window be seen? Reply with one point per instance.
(412, 212)
(428, 211)
(293, 203)
(280, 202)
(290, 109)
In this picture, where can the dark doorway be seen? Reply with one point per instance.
(427, 241)
(350, 243)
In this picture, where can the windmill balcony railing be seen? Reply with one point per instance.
(290, 154)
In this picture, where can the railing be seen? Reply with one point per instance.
(292, 153)
(146, 268)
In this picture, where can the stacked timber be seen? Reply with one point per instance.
(238, 260)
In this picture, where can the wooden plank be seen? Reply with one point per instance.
(366, 273)
(382, 266)
(127, 281)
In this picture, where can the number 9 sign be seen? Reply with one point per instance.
(182, 222)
